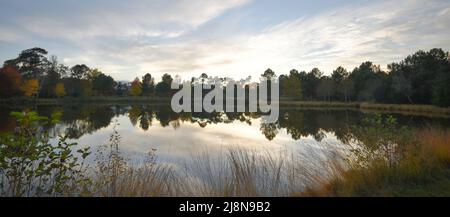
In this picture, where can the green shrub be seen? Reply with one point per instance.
(31, 166)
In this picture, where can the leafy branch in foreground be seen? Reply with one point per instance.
(31, 166)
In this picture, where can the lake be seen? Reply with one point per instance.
(314, 136)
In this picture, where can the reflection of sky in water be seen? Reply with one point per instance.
(177, 146)
(312, 140)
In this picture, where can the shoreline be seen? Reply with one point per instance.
(412, 109)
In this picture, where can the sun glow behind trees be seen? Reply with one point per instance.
(421, 78)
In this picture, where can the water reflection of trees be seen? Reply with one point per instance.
(86, 119)
(75, 120)
(301, 123)
(164, 115)
(78, 120)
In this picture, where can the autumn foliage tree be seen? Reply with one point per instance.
(30, 87)
(60, 91)
(10, 80)
(136, 87)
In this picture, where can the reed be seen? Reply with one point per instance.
(424, 170)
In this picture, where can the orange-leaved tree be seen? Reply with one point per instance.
(30, 87)
(136, 87)
(60, 91)
(10, 80)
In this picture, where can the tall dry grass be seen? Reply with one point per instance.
(436, 143)
(423, 170)
(235, 173)
(244, 173)
(145, 179)
(116, 176)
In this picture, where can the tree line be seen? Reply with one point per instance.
(421, 78)
(33, 74)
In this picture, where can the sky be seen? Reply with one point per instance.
(233, 38)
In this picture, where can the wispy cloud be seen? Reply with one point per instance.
(132, 38)
(101, 18)
(380, 32)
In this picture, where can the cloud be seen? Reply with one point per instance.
(113, 34)
(8, 35)
(133, 38)
(156, 18)
(380, 32)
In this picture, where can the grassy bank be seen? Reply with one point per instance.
(405, 108)
(74, 100)
(410, 109)
(423, 169)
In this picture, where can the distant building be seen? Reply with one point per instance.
(122, 87)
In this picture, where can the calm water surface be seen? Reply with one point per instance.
(315, 135)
